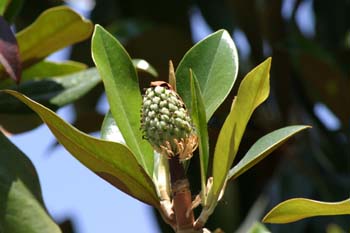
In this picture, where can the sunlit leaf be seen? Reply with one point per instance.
(54, 29)
(263, 147)
(9, 52)
(299, 208)
(110, 130)
(253, 90)
(121, 84)
(112, 161)
(45, 69)
(199, 120)
(215, 62)
(3, 6)
(21, 205)
(143, 65)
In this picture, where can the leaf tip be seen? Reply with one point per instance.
(268, 61)
(303, 127)
(223, 31)
(265, 219)
(172, 77)
(98, 27)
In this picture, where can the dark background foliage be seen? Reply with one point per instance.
(308, 70)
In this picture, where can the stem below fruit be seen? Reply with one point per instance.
(181, 195)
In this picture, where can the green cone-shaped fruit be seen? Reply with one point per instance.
(165, 122)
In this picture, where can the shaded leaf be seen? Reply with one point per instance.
(47, 69)
(9, 52)
(143, 65)
(18, 123)
(263, 147)
(253, 90)
(53, 92)
(159, 44)
(199, 119)
(215, 62)
(21, 204)
(327, 84)
(299, 208)
(127, 29)
(333, 228)
(123, 94)
(13, 9)
(3, 6)
(54, 29)
(112, 161)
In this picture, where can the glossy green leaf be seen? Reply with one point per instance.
(112, 161)
(110, 130)
(253, 90)
(45, 69)
(21, 205)
(122, 88)
(53, 92)
(215, 62)
(200, 122)
(299, 208)
(143, 65)
(54, 29)
(263, 147)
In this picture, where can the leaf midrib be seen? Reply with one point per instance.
(254, 104)
(211, 67)
(131, 131)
